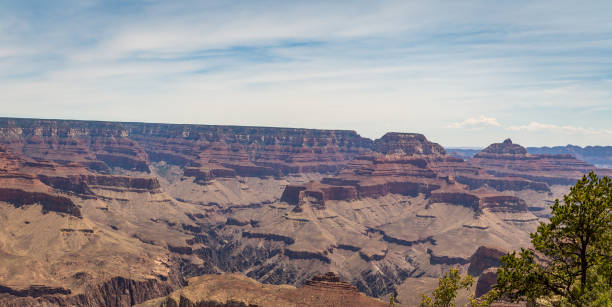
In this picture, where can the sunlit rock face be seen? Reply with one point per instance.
(132, 210)
(506, 159)
(406, 143)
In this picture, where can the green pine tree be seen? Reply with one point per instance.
(571, 260)
(446, 292)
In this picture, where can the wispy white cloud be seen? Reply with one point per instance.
(566, 129)
(389, 65)
(476, 122)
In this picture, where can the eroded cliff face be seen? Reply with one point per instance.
(23, 188)
(503, 160)
(600, 156)
(116, 292)
(134, 209)
(406, 143)
(211, 151)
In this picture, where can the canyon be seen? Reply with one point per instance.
(117, 214)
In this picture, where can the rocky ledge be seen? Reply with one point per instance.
(329, 281)
(49, 202)
(485, 257)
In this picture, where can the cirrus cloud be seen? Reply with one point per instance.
(566, 129)
(476, 123)
(262, 62)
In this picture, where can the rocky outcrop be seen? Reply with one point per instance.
(329, 281)
(295, 254)
(373, 256)
(406, 143)
(445, 260)
(504, 148)
(205, 174)
(547, 179)
(484, 258)
(67, 184)
(183, 250)
(370, 176)
(399, 241)
(120, 291)
(268, 236)
(509, 162)
(485, 282)
(116, 292)
(317, 193)
(406, 187)
(456, 198)
(291, 194)
(49, 202)
(129, 183)
(82, 184)
(504, 203)
(502, 184)
(124, 161)
(492, 202)
(34, 291)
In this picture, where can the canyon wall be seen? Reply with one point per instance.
(129, 208)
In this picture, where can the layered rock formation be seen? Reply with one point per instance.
(23, 188)
(406, 143)
(504, 148)
(212, 151)
(510, 166)
(484, 258)
(116, 292)
(600, 156)
(511, 160)
(329, 280)
(129, 208)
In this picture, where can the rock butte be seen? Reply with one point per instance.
(116, 214)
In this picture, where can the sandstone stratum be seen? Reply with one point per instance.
(117, 214)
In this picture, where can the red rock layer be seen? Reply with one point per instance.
(20, 189)
(507, 160)
(209, 151)
(406, 143)
(504, 148)
(27, 182)
(372, 175)
(441, 177)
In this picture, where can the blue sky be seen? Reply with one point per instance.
(464, 73)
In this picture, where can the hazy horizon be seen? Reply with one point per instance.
(463, 74)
